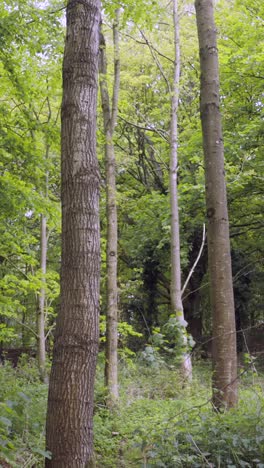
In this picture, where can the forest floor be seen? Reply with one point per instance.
(158, 423)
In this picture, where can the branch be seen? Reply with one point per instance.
(147, 129)
(26, 326)
(147, 44)
(17, 268)
(156, 60)
(196, 261)
(248, 352)
(241, 233)
(50, 330)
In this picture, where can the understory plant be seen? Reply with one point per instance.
(168, 344)
(157, 423)
(22, 415)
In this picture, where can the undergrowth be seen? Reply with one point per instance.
(22, 412)
(158, 423)
(161, 424)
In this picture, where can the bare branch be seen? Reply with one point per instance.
(159, 132)
(26, 326)
(196, 261)
(156, 60)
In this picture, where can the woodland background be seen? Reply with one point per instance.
(31, 51)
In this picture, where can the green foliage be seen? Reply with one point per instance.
(151, 357)
(22, 413)
(201, 437)
(168, 344)
(157, 423)
(160, 424)
(141, 12)
(31, 37)
(125, 331)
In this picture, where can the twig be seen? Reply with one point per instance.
(248, 352)
(199, 451)
(156, 60)
(26, 326)
(142, 127)
(49, 331)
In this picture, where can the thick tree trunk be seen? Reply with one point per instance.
(41, 309)
(70, 401)
(110, 117)
(175, 289)
(222, 300)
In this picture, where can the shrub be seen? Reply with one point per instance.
(22, 415)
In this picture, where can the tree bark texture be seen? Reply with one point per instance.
(221, 286)
(70, 401)
(175, 289)
(110, 118)
(42, 298)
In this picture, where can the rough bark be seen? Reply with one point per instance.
(42, 297)
(222, 300)
(70, 401)
(175, 289)
(110, 118)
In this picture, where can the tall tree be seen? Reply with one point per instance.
(70, 401)
(175, 288)
(221, 287)
(110, 120)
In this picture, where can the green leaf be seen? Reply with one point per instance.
(45, 453)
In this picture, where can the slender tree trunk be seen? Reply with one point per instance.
(24, 337)
(41, 341)
(176, 299)
(222, 300)
(70, 401)
(42, 298)
(110, 118)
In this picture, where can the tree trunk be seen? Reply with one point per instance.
(221, 287)
(41, 309)
(175, 290)
(110, 117)
(70, 401)
(41, 340)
